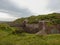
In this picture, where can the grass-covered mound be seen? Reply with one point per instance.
(55, 17)
(53, 24)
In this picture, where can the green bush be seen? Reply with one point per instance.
(6, 28)
(18, 30)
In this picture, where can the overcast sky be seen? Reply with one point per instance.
(13, 9)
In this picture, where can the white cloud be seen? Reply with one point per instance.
(6, 17)
(35, 6)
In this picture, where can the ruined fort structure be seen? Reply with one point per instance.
(40, 28)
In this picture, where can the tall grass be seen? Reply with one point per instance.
(28, 39)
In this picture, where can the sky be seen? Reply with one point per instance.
(13, 9)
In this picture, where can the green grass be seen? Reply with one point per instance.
(28, 39)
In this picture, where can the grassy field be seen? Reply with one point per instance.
(28, 39)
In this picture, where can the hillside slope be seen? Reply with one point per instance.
(34, 26)
(33, 19)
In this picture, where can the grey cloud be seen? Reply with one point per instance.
(8, 7)
(54, 5)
